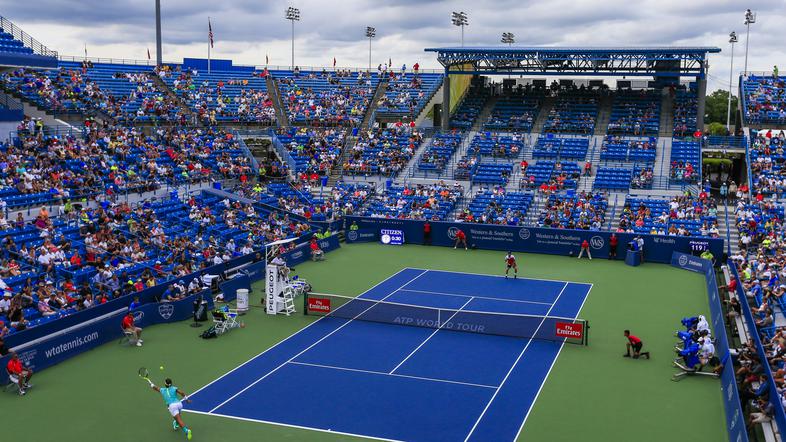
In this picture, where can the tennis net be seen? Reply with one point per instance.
(550, 328)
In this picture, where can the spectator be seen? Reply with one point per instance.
(19, 373)
(130, 329)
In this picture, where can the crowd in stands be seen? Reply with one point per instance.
(315, 151)
(496, 206)
(327, 98)
(764, 99)
(432, 202)
(383, 151)
(684, 215)
(767, 160)
(583, 211)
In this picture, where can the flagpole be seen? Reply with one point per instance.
(208, 45)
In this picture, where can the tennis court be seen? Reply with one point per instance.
(361, 371)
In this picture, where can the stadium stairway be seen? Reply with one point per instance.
(281, 115)
(604, 115)
(543, 114)
(161, 85)
(382, 87)
(484, 114)
(666, 116)
(407, 171)
(337, 172)
(662, 166)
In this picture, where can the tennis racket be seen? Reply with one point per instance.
(144, 374)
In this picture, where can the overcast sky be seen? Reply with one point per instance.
(248, 30)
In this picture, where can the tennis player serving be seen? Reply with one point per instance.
(510, 260)
(170, 394)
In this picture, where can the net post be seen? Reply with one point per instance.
(586, 333)
(305, 304)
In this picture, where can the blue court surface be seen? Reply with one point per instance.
(394, 382)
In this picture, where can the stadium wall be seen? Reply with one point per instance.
(530, 239)
(735, 423)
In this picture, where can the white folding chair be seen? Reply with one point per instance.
(129, 338)
(219, 322)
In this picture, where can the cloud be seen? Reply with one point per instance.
(246, 30)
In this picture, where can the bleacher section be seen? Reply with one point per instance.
(326, 98)
(573, 112)
(407, 94)
(549, 146)
(382, 151)
(764, 99)
(551, 176)
(495, 174)
(496, 145)
(586, 211)
(439, 152)
(223, 96)
(489, 207)
(514, 113)
(313, 150)
(679, 216)
(432, 202)
(685, 161)
(612, 178)
(629, 149)
(469, 109)
(685, 110)
(9, 44)
(635, 113)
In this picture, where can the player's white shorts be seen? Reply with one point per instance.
(175, 408)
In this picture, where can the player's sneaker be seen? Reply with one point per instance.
(175, 426)
(188, 434)
(22, 392)
(138, 343)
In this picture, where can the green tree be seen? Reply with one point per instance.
(716, 107)
(717, 128)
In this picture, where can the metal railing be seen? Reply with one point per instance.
(27, 40)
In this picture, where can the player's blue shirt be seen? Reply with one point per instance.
(170, 395)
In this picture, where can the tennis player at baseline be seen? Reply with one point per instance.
(173, 403)
(510, 261)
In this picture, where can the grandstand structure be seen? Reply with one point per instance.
(564, 145)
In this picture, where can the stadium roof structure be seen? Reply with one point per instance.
(585, 61)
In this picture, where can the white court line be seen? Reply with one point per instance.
(309, 347)
(292, 335)
(280, 424)
(478, 297)
(499, 276)
(382, 373)
(429, 337)
(472, 430)
(535, 399)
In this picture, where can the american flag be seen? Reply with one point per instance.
(210, 32)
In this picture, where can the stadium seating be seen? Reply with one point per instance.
(433, 202)
(764, 99)
(11, 45)
(684, 216)
(549, 146)
(496, 145)
(407, 94)
(497, 207)
(685, 159)
(314, 151)
(685, 110)
(629, 149)
(573, 112)
(586, 211)
(491, 173)
(439, 152)
(551, 176)
(382, 151)
(635, 113)
(611, 178)
(467, 112)
(326, 98)
(514, 113)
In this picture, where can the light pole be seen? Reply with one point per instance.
(158, 33)
(750, 18)
(460, 19)
(732, 40)
(293, 15)
(370, 33)
(508, 38)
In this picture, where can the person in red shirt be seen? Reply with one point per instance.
(427, 234)
(461, 239)
(613, 242)
(18, 373)
(510, 261)
(316, 253)
(585, 247)
(636, 344)
(129, 328)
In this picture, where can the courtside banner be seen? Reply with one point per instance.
(689, 262)
(319, 305)
(50, 350)
(569, 330)
(531, 239)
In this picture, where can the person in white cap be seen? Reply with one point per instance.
(5, 302)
